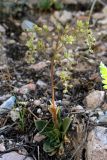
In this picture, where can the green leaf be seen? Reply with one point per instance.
(52, 142)
(44, 127)
(58, 5)
(105, 86)
(47, 146)
(59, 117)
(103, 72)
(40, 124)
(66, 123)
(53, 133)
(104, 81)
(44, 4)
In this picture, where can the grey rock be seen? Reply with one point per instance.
(97, 144)
(39, 66)
(76, 1)
(2, 29)
(63, 16)
(94, 99)
(102, 118)
(79, 108)
(94, 119)
(2, 147)
(41, 84)
(37, 102)
(7, 105)
(14, 156)
(101, 113)
(103, 21)
(4, 97)
(39, 110)
(67, 97)
(65, 103)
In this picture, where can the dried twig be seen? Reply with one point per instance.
(33, 114)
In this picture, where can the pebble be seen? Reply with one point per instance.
(65, 103)
(39, 110)
(39, 66)
(100, 113)
(94, 119)
(59, 102)
(37, 102)
(76, 1)
(41, 84)
(8, 104)
(63, 16)
(4, 97)
(105, 10)
(2, 147)
(27, 25)
(26, 88)
(38, 138)
(67, 97)
(102, 119)
(103, 21)
(25, 97)
(79, 108)
(23, 36)
(14, 156)
(14, 114)
(2, 29)
(94, 99)
(97, 144)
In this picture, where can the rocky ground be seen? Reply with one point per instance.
(30, 84)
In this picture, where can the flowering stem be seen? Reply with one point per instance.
(52, 82)
(53, 107)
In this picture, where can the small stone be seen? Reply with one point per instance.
(41, 84)
(3, 67)
(59, 102)
(97, 144)
(93, 118)
(69, 1)
(104, 107)
(98, 16)
(26, 88)
(100, 113)
(7, 105)
(14, 114)
(38, 138)
(37, 102)
(39, 66)
(94, 99)
(23, 36)
(39, 110)
(2, 147)
(105, 10)
(95, 77)
(102, 118)
(4, 97)
(103, 21)
(91, 61)
(67, 97)
(63, 16)
(72, 2)
(25, 97)
(14, 156)
(2, 29)
(65, 103)
(79, 108)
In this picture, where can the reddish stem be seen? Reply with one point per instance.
(52, 82)
(53, 107)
